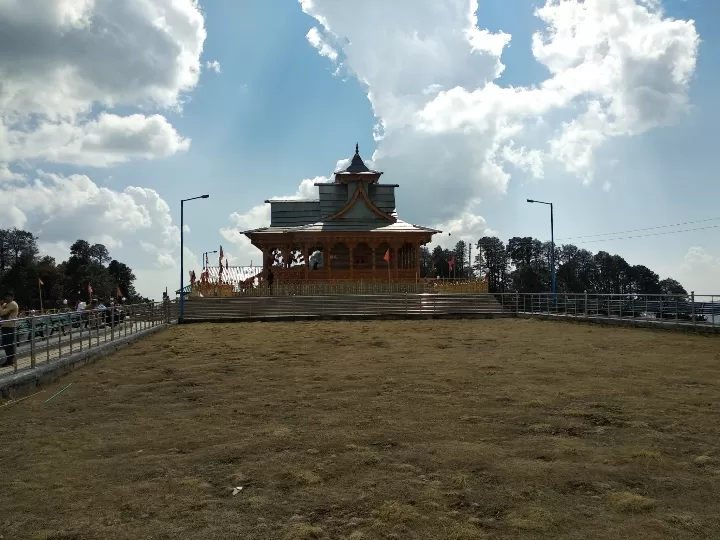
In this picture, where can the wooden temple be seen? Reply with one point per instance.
(351, 233)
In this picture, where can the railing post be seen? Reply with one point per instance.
(32, 341)
(15, 347)
(112, 323)
(692, 306)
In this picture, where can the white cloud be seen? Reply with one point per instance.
(66, 60)
(324, 49)
(104, 141)
(433, 78)
(88, 83)
(213, 65)
(698, 271)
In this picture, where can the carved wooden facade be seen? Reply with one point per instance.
(345, 235)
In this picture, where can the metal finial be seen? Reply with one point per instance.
(357, 149)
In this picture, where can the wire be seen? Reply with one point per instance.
(652, 234)
(663, 233)
(640, 230)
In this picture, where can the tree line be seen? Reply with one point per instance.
(524, 265)
(28, 273)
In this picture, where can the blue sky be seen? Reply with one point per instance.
(278, 113)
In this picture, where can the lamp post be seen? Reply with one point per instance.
(552, 243)
(205, 254)
(182, 254)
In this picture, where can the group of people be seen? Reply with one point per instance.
(8, 313)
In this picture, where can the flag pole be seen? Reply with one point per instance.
(40, 292)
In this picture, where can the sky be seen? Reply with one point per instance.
(112, 112)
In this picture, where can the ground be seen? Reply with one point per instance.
(509, 428)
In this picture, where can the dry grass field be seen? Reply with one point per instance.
(497, 429)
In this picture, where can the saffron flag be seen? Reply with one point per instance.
(118, 292)
(387, 256)
(41, 282)
(451, 264)
(89, 289)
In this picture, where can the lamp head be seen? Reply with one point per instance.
(530, 201)
(204, 196)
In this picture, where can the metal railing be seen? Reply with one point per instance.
(44, 339)
(663, 310)
(344, 287)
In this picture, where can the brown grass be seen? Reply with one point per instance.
(495, 429)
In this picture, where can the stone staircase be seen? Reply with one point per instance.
(344, 307)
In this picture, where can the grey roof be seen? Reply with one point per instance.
(291, 200)
(398, 226)
(357, 165)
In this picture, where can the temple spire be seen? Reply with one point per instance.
(357, 149)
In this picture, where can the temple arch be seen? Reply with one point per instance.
(362, 256)
(340, 257)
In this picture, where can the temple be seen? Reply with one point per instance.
(351, 233)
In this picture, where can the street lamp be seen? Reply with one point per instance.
(182, 247)
(552, 243)
(205, 254)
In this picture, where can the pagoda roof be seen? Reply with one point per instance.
(395, 227)
(273, 201)
(357, 166)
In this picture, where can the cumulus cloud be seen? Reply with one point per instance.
(65, 60)
(104, 141)
(324, 49)
(445, 119)
(68, 68)
(213, 65)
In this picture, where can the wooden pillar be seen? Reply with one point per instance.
(373, 248)
(266, 257)
(395, 259)
(327, 263)
(351, 248)
(417, 258)
(306, 257)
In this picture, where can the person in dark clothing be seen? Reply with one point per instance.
(8, 313)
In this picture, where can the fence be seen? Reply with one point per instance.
(346, 287)
(47, 338)
(665, 310)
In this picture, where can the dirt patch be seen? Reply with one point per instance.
(517, 429)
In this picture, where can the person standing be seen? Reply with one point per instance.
(8, 313)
